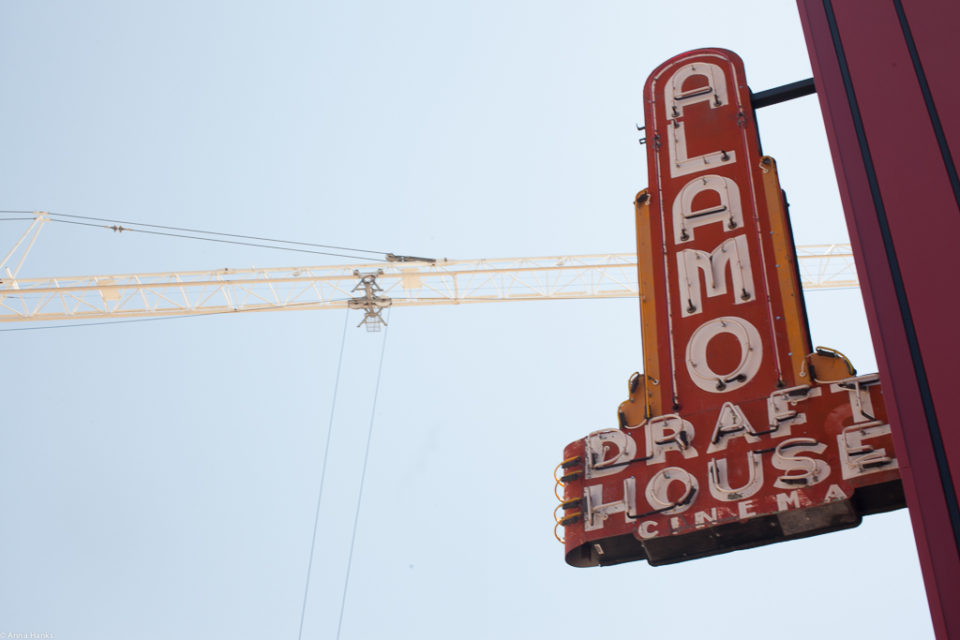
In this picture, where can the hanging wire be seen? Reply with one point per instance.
(117, 225)
(363, 475)
(214, 233)
(246, 244)
(323, 475)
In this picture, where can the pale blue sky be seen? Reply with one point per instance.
(159, 479)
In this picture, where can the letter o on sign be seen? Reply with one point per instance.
(751, 354)
(658, 487)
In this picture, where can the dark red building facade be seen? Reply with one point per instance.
(887, 81)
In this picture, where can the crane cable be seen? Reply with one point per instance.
(363, 475)
(220, 240)
(117, 226)
(323, 474)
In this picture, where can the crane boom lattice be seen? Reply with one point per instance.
(444, 282)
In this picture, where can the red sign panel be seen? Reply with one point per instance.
(736, 434)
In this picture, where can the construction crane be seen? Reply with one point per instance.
(370, 287)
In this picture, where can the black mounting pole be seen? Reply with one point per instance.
(783, 93)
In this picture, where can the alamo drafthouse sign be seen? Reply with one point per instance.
(738, 432)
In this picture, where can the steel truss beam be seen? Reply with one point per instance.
(404, 284)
